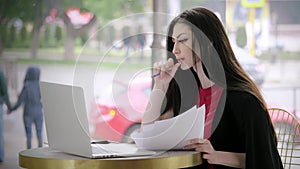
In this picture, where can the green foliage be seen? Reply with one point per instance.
(25, 10)
(84, 37)
(78, 41)
(4, 35)
(125, 31)
(14, 39)
(23, 33)
(47, 35)
(280, 55)
(65, 4)
(11, 38)
(51, 36)
(112, 34)
(22, 38)
(188, 3)
(12, 34)
(107, 35)
(58, 33)
(241, 36)
(112, 9)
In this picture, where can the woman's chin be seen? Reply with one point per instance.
(184, 67)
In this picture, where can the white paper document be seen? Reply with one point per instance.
(173, 133)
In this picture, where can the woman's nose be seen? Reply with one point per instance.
(175, 49)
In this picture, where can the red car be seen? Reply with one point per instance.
(117, 117)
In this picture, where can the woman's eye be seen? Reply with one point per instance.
(182, 40)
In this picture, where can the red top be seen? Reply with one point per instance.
(210, 97)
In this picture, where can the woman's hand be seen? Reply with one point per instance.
(166, 71)
(230, 159)
(204, 146)
(163, 73)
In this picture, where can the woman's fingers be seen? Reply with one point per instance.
(165, 68)
(190, 146)
(156, 68)
(208, 157)
(203, 148)
(170, 63)
(199, 140)
(200, 145)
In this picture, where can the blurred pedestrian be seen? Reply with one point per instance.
(30, 96)
(127, 42)
(141, 38)
(4, 98)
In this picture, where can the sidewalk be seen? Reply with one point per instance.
(14, 137)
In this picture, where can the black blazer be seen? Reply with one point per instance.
(241, 125)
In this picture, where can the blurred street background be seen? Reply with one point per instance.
(92, 43)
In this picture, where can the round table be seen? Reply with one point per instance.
(46, 158)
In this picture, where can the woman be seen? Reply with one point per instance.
(238, 132)
(30, 96)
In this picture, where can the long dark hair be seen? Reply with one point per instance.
(215, 48)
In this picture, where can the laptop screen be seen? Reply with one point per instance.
(66, 118)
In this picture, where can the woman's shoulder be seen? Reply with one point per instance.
(241, 99)
(239, 95)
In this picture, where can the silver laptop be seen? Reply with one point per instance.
(67, 125)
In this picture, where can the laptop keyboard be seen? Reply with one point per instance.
(98, 150)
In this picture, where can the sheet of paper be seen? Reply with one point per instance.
(173, 133)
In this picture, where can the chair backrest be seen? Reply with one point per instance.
(287, 128)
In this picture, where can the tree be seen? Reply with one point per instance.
(72, 32)
(10, 9)
(28, 11)
(35, 12)
(104, 10)
(41, 10)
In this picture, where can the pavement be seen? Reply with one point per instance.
(278, 74)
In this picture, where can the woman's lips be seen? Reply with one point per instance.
(180, 60)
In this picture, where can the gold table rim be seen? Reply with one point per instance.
(171, 162)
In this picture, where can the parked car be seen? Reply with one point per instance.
(118, 116)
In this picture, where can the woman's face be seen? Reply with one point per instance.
(182, 38)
